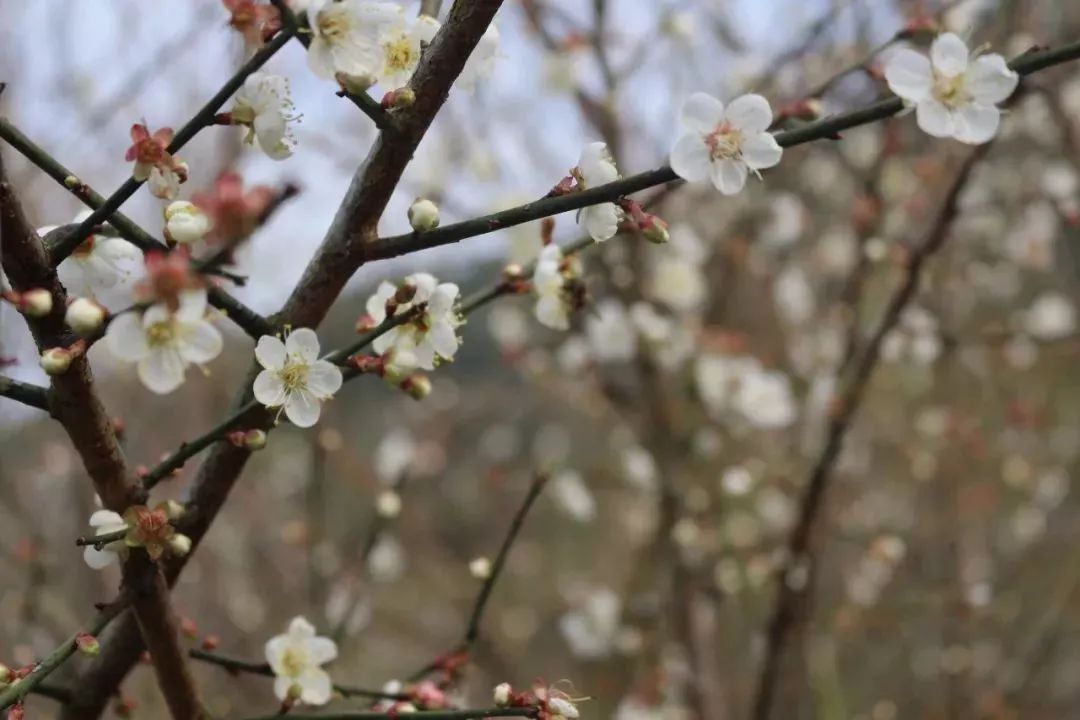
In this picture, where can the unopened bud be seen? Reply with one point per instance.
(502, 694)
(418, 386)
(17, 712)
(400, 98)
(388, 504)
(188, 628)
(55, 361)
(480, 568)
(87, 644)
(423, 215)
(211, 642)
(255, 439)
(179, 545)
(84, 316)
(654, 229)
(185, 222)
(37, 302)
(5, 674)
(71, 182)
(355, 84)
(364, 323)
(513, 271)
(174, 509)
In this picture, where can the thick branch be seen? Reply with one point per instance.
(791, 596)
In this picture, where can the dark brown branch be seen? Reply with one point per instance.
(827, 128)
(27, 394)
(242, 666)
(76, 405)
(791, 598)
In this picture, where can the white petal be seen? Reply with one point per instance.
(949, 54)
(601, 221)
(201, 342)
(690, 158)
(270, 131)
(729, 176)
(269, 389)
(425, 29)
(300, 628)
(270, 352)
(990, 81)
(376, 304)
(701, 113)
(320, 59)
(423, 355)
(321, 650)
(934, 118)
(551, 312)
(303, 343)
(323, 379)
(761, 151)
(98, 559)
(162, 370)
(317, 688)
(442, 300)
(443, 340)
(125, 337)
(976, 124)
(192, 305)
(275, 650)
(302, 409)
(749, 113)
(106, 518)
(909, 75)
(282, 685)
(387, 340)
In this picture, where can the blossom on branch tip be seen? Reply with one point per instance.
(595, 167)
(430, 335)
(265, 107)
(185, 223)
(99, 264)
(724, 144)
(55, 361)
(152, 530)
(162, 172)
(345, 36)
(105, 522)
(163, 342)
(423, 215)
(293, 376)
(35, 303)
(296, 658)
(955, 93)
(84, 316)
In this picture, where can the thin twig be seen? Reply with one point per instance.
(27, 394)
(531, 712)
(234, 665)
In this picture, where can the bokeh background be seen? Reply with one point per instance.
(949, 569)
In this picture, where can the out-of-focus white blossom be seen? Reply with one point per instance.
(345, 36)
(402, 41)
(481, 63)
(955, 95)
(610, 332)
(552, 283)
(676, 276)
(1052, 316)
(590, 629)
(595, 167)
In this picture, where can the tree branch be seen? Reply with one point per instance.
(27, 394)
(419, 715)
(827, 128)
(791, 596)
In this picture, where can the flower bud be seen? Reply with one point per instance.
(36, 303)
(480, 568)
(294, 694)
(502, 694)
(400, 98)
(179, 545)
(418, 386)
(355, 84)
(17, 712)
(71, 182)
(423, 215)
(87, 644)
(211, 642)
(185, 222)
(174, 509)
(388, 504)
(84, 316)
(55, 361)
(188, 628)
(513, 271)
(654, 229)
(255, 439)
(5, 674)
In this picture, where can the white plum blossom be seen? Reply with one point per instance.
(595, 167)
(1051, 317)
(764, 399)
(100, 264)
(676, 276)
(164, 182)
(163, 342)
(293, 376)
(724, 144)
(105, 522)
(265, 106)
(481, 62)
(296, 658)
(955, 94)
(916, 337)
(611, 333)
(345, 36)
(551, 281)
(590, 630)
(402, 42)
(431, 336)
(185, 223)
